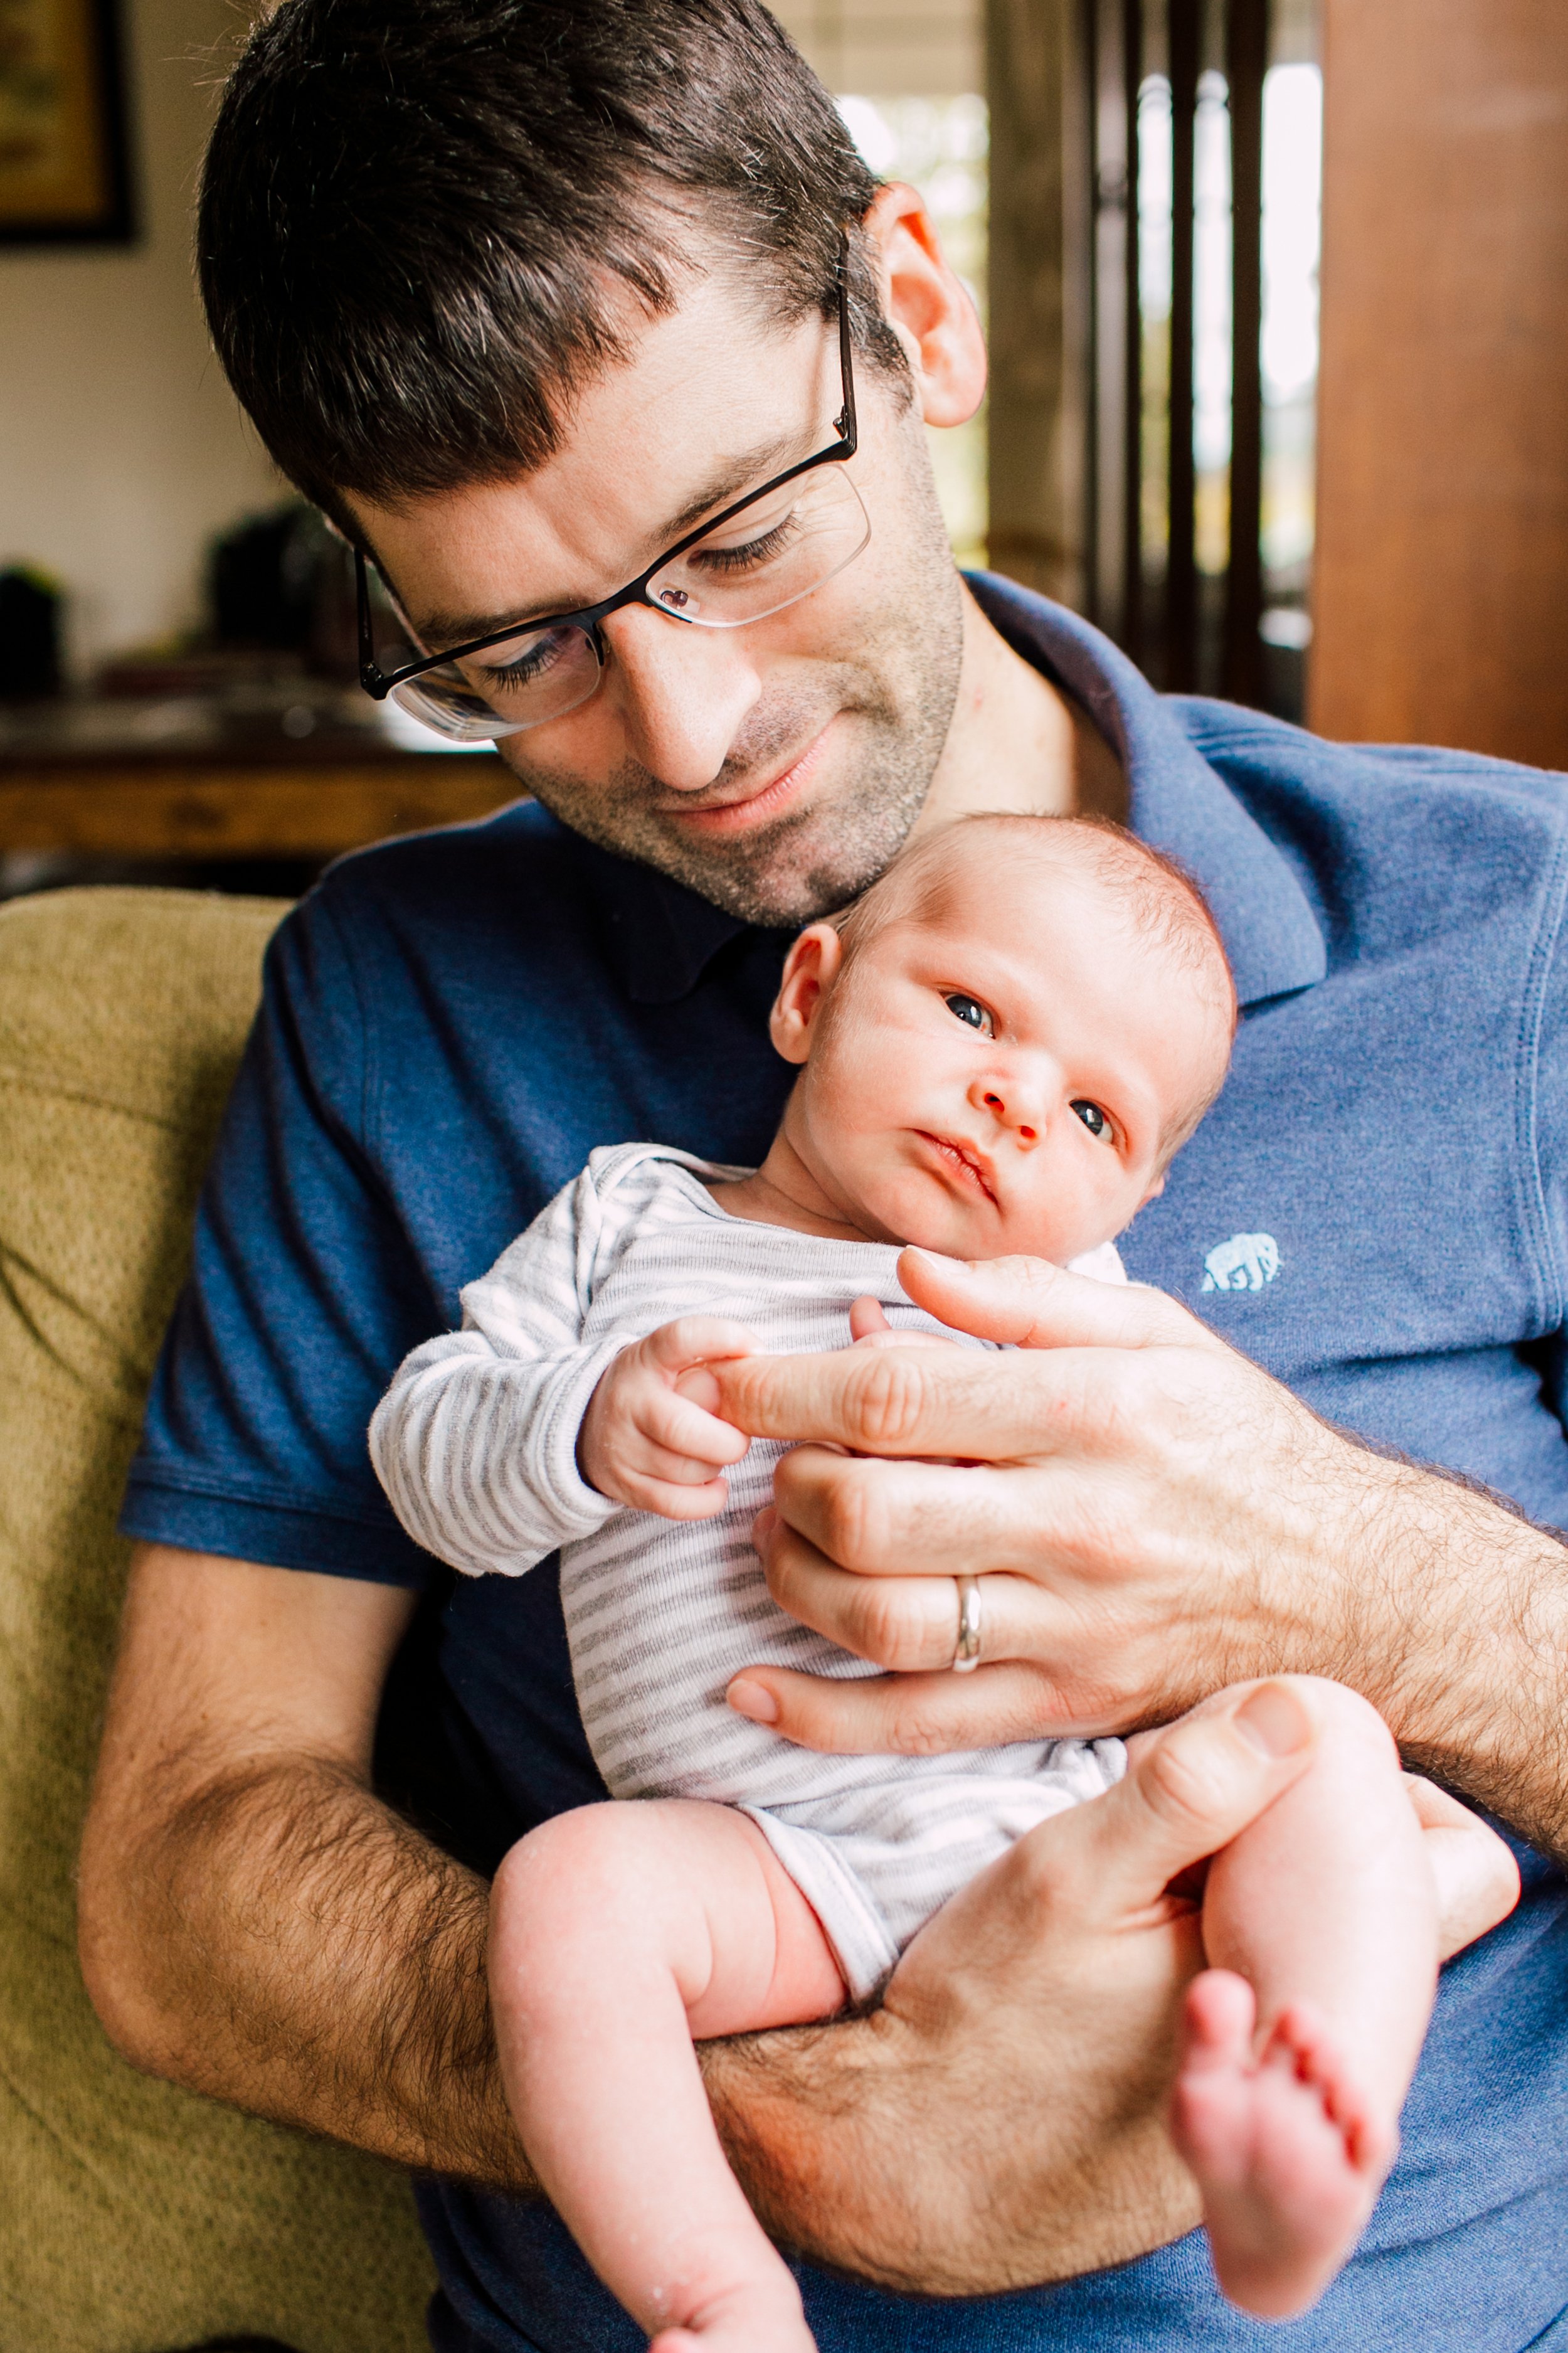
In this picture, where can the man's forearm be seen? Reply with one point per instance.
(307, 1955)
(256, 1924)
(871, 2154)
(1459, 1636)
(317, 1961)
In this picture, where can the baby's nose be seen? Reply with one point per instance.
(1016, 1108)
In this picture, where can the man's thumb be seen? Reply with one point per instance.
(1197, 1785)
(1030, 1304)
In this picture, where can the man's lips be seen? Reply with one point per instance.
(963, 1160)
(753, 804)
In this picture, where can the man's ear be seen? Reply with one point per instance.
(810, 968)
(927, 306)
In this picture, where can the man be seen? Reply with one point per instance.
(527, 295)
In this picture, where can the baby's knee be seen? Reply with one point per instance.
(576, 1867)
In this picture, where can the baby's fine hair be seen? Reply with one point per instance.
(1162, 903)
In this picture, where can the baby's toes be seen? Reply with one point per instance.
(1304, 2041)
(1219, 2018)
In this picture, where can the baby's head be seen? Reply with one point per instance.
(1006, 1038)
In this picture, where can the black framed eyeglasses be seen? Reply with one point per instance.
(767, 551)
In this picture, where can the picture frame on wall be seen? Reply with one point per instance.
(64, 137)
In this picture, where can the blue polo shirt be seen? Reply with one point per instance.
(1374, 1210)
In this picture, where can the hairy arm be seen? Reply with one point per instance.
(1153, 1517)
(254, 1922)
(257, 1924)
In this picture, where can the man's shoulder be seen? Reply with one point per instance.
(1249, 748)
(491, 904)
(518, 850)
(1399, 838)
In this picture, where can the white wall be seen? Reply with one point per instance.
(891, 48)
(120, 447)
(121, 450)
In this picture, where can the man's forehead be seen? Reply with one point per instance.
(707, 401)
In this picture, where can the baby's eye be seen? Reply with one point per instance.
(969, 1010)
(1093, 1118)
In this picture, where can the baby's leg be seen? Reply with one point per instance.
(1322, 1927)
(617, 1934)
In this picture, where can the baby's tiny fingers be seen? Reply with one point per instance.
(699, 1339)
(678, 1424)
(674, 1500)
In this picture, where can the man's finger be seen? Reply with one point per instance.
(1193, 1788)
(935, 1519)
(896, 1716)
(1030, 1304)
(932, 1401)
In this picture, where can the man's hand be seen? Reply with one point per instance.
(257, 1924)
(650, 1438)
(1000, 2122)
(1153, 1518)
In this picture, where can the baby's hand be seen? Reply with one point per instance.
(869, 1328)
(649, 1438)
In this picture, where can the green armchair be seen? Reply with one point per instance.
(132, 2216)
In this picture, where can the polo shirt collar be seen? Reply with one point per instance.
(661, 937)
(1179, 803)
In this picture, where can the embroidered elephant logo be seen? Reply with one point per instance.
(1246, 1262)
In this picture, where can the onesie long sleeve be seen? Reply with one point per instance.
(476, 1445)
(476, 1441)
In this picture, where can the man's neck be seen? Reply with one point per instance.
(1016, 743)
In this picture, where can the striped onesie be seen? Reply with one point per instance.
(475, 1444)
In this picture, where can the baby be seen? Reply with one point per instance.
(1001, 1047)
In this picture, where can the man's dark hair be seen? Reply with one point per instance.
(415, 214)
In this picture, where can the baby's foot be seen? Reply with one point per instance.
(739, 2322)
(1287, 2149)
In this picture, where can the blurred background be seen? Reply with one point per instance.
(1278, 300)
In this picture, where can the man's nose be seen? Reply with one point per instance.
(681, 694)
(1016, 1102)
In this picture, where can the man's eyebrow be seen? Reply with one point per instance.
(728, 483)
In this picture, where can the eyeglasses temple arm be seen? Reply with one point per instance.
(372, 677)
(845, 425)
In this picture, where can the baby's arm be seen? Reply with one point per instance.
(618, 1934)
(498, 1443)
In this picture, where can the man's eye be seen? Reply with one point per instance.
(1093, 1118)
(970, 1010)
(747, 554)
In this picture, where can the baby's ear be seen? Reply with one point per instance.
(810, 968)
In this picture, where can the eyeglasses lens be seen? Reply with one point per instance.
(538, 675)
(772, 552)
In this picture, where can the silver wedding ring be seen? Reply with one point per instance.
(966, 1656)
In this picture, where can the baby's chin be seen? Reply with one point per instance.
(950, 1233)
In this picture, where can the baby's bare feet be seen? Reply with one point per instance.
(1287, 2149)
(740, 2321)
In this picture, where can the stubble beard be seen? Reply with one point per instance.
(897, 695)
